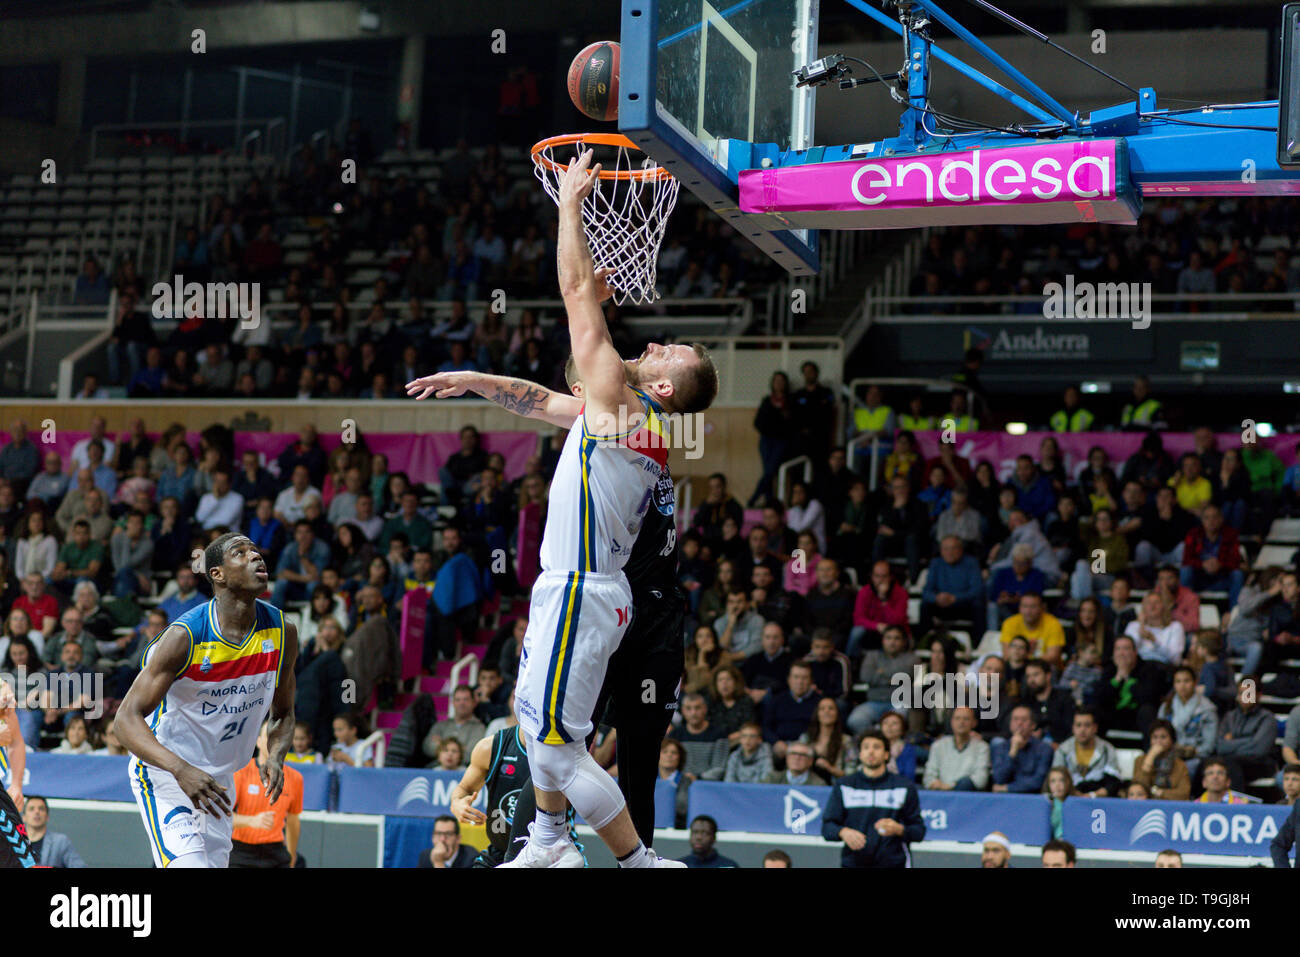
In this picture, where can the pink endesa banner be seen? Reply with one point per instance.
(1080, 179)
(419, 455)
(1001, 449)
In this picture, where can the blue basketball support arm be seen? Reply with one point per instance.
(1213, 150)
(917, 45)
(1207, 151)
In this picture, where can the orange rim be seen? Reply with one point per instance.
(596, 139)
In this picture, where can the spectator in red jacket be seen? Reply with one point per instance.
(263, 255)
(41, 607)
(1212, 556)
(883, 602)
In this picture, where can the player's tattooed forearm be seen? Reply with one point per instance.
(519, 397)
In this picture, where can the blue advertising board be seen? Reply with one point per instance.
(948, 815)
(410, 792)
(665, 803)
(416, 792)
(83, 777)
(1188, 827)
(103, 777)
(316, 782)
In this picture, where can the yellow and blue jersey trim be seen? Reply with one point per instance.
(586, 511)
(152, 820)
(148, 649)
(557, 674)
(260, 621)
(213, 658)
(654, 422)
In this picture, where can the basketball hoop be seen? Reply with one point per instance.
(624, 215)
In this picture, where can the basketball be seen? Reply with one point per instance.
(593, 81)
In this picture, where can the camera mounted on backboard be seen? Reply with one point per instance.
(820, 72)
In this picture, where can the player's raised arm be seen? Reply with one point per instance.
(143, 698)
(582, 287)
(279, 729)
(471, 782)
(11, 738)
(519, 396)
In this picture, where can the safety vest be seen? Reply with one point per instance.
(1080, 420)
(915, 423)
(872, 420)
(1144, 414)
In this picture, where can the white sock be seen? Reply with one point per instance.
(640, 856)
(549, 828)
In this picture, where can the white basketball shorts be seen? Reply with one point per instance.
(176, 829)
(575, 623)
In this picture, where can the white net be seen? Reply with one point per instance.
(624, 215)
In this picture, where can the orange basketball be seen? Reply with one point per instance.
(593, 81)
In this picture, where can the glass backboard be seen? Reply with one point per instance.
(720, 71)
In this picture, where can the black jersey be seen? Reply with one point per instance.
(653, 562)
(15, 851)
(508, 775)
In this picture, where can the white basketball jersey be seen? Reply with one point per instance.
(601, 490)
(214, 709)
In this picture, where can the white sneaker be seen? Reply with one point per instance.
(563, 854)
(664, 862)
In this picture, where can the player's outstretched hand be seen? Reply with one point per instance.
(465, 812)
(272, 780)
(577, 179)
(441, 385)
(203, 790)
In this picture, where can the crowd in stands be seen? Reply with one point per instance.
(472, 234)
(1081, 595)
(1238, 246)
(97, 557)
(799, 626)
(1081, 592)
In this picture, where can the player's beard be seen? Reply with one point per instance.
(639, 377)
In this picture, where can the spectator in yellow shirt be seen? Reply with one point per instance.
(1190, 486)
(1037, 626)
(904, 460)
